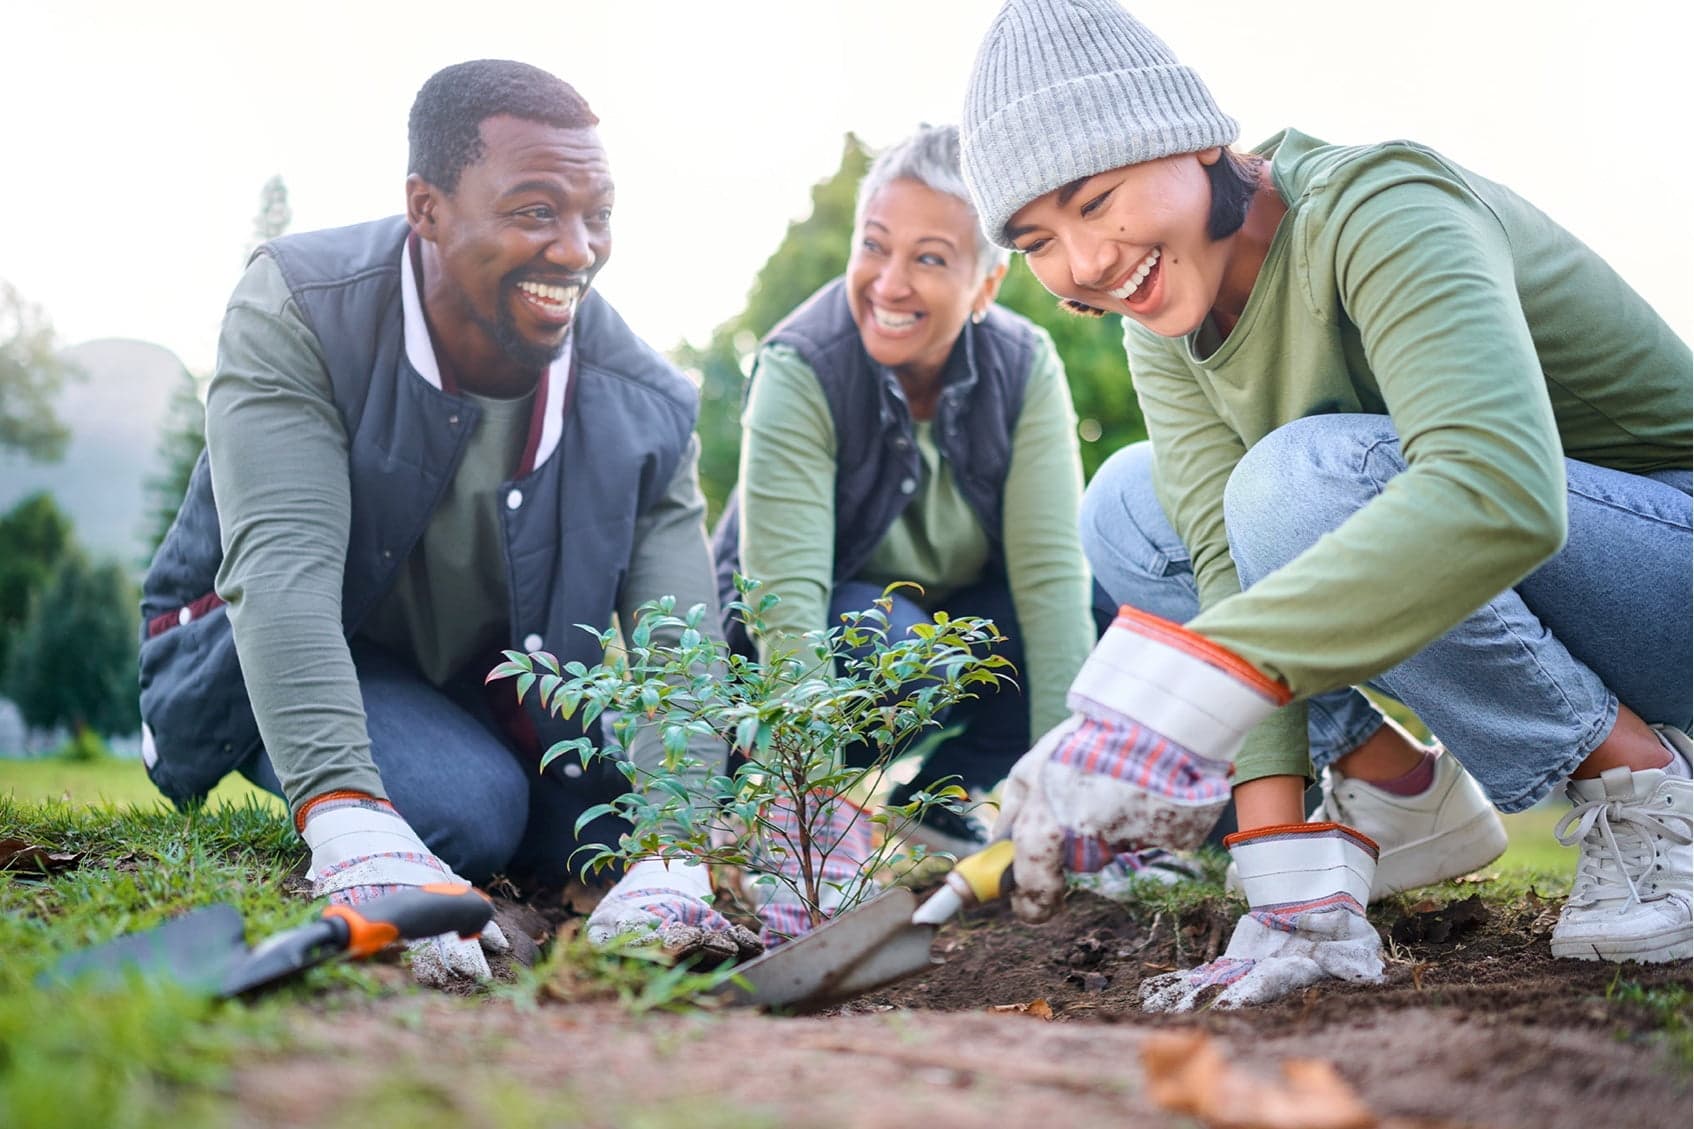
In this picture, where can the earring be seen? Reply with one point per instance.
(977, 316)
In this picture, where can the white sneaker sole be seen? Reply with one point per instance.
(1436, 858)
(1662, 947)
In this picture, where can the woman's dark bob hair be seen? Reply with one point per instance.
(1234, 179)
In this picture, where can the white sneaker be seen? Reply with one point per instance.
(1448, 830)
(1631, 899)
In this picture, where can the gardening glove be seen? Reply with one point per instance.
(669, 902)
(774, 884)
(1158, 717)
(1306, 886)
(361, 850)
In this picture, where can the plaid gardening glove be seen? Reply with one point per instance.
(361, 850)
(1306, 886)
(669, 903)
(842, 838)
(1144, 759)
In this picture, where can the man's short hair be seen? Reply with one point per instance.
(445, 129)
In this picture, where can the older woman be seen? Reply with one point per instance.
(1406, 431)
(901, 427)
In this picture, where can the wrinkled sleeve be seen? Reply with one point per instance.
(670, 557)
(1194, 453)
(278, 454)
(1482, 501)
(1045, 568)
(787, 494)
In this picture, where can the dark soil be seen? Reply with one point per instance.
(1475, 1025)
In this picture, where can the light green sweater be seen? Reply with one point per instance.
(1401, 284)
(787, 498)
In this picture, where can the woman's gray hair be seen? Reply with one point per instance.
(931, 157)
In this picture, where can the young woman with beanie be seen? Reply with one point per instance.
(1405, 432)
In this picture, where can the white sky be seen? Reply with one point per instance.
(136, 136)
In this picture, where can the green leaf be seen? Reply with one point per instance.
(592, 814)
(525, 681)
(506, 670)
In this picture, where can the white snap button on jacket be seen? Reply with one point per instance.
(907, 485)
(572, 770)
(514, 499)
(532, 642)
(186, 615)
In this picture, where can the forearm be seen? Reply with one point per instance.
(671, 558)
(279, 470)
(1045, 567)
(787, 496)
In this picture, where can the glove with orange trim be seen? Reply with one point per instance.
(1159, 714)
(1306, 886)
(361, 850)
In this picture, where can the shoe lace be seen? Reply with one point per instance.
(1602, 823)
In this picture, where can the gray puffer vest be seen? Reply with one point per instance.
(569, 523)
(877, 464)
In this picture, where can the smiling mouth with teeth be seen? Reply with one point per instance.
(1126, 292)
(888, 319)
(555, 300)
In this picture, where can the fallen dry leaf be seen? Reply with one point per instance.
(1187, 1073)
(19, 854)
(1040, 1009)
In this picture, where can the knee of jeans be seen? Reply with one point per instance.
(1301, 481)
(474, 834)
(1120, 518)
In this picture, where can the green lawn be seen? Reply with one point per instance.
(124, 782)
(1530, 844)
(107, 781)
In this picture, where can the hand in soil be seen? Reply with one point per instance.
(665, 903)
(1308, 887)
(1143, 762)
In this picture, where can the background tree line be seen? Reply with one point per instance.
(68, 625)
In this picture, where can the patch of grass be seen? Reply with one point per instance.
(107, 780)
(1670, 1008)
(146, 1052)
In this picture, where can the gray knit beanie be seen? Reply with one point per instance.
(1064, 89)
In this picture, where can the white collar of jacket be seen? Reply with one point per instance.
(550, 396)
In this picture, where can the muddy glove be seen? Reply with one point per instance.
(362, 849)
(669, 902)
(774, 883)
(1159, 716)
(1306, 885)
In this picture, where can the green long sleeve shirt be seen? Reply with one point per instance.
(1401, 284)
(278, 453)
(787, 498)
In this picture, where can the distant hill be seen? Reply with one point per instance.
(116, 412)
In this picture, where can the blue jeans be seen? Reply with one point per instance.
(996, 723)
(459, 781)
(1523, 690)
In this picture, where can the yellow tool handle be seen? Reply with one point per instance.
(988, 873)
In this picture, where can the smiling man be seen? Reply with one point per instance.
(430, 440)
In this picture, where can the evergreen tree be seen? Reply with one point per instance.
(31, 374)
(179, 449)
(34, 535)
(74, 662)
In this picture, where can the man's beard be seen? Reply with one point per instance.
(524, 354)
